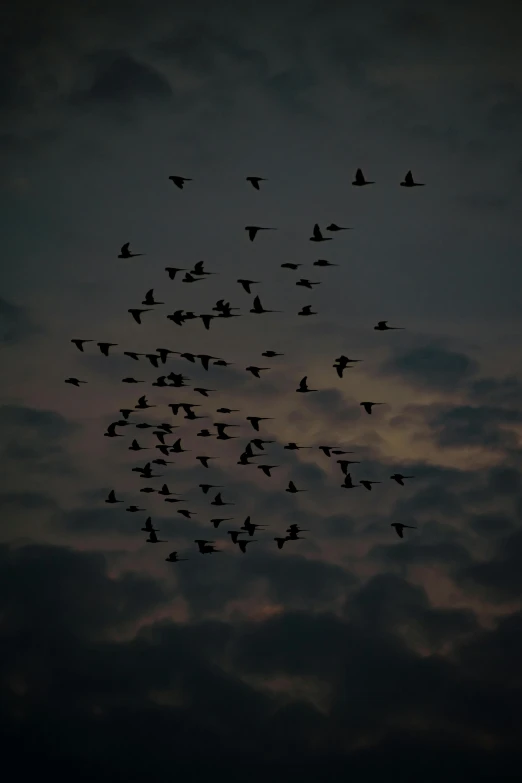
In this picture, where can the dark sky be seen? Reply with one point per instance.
(352, 652)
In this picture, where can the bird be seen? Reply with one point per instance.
(243, 544)
(326, 450)
(149, 298)
(399, 527)
(256, 370)
(205, 487)
(317, 236)
(112, 498)
(292, 536)
(258, 443)
(323, 262)
(335, 227)
(177, 317)
(258, 308)
(204, 434)
(360, 180)
(204, 358)
(244, 459)
(382, 326)
(180, 181)
(173, 558)
(222, 363)
(252, 231)
(207, 318)
(227, 410)
(368, 484)
(80, 343)
(247, 283)
(125, 252)
(199, 270)
(342, 363)
(271, 354)
(153, 538)
(165, 490)
(153, 359)
(220, 426)
(369, 405)
(303, 387)
(105, 347)
(399, 478)
(147, 489)
(216, 521)
(306, 310)
(218, 501)
(254, 421)
(290, 265)
(208, 550)
(163, 354)
(296, 529)
(111, 431)
(204, 460)
(185, 513)
(162, 462)
(189, 278)
(294, 447)
(348, 483)
(409, 183)
(148, 527)
(293, 489)
(306, 283)
(177, 447)
(266, 469)
(135, 446)
(126, 412)
(203, 392)
(160, 381)
(133, 355)
(254, 181)
(234, 534)
(343, 463)
(133, 509)
(142, 403)
(131, 380)
(74, 381)
(173, 270)
(281, 541)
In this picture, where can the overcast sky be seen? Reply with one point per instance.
(351, 652)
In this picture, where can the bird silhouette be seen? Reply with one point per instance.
(125, 252)
(243, 544)
(256, 370)
(271, 354)
(74, 381)
(306, 283)
(254, 181)
(335, 227)
(266, 469)
(177, 318)
(303, 387)
(292, 489)
(204, 460)
(202, 391)
(294, 447)
(382, 326)
(200, 270)
(173, 270)
(143, 404)
(281, 541)
(112, 498)
(205, 487)
(105, 347)
(399, 527)
(131, 380)
(133, 355)
(247, 283)
(222, 435)
(290, 265)
(306, 310)
(360, 180)
(343, 463)
(317, 235)
(326, 450)
(252, 231)
(80, 343)
(165, 490)
(348, 483)
(148, 526)
(136, 313)
(153, 538)
(173, 558)
(185, 513)
(250, 527)
(254, 421)
(149, 298)
(177, 447)
(258, 308)
(126, 412)
(204, 434)
(204, 358)
(368, 484)
(369, 405)
(179, 181)
(227, 410)
(323, 262)
(135, 446)
(207, 318)
(409, 183)
(217, 521)
(163, 354)
(111, 431)
(234, 534)
(153, 359)
(258, 443)
(133, 509)
(218, 501)
(399, 478)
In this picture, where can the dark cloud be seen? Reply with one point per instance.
(483, 426)
(499, 578)
(432, 366)
(15, 323)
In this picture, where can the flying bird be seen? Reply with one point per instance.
(369, 405)
(243, 544)
(234, 534)
(256, 370)
(218, 501)
(271, 354)
(326, 450)
(125, 252)
(205, 487)
(133, 355)
(294, 447)
(207, 318)
(104, 347)
(111, 431)
(266, 469)
(382, 326)
(126, 412)
(222, 435)
(153, 359)
(303, 387)
(80, 343)
(189, 278)
(258, 443)
(399, 527)
(250, 527)
(216, 522)
(204, 358)
(343, 463)
(306, 310)
(177, 447)
(148, 527)
(142, 403)
(281, 541)
(204, 460)
(135, 446)
(227, 410)
(131, 380)
(163, 354)
(203, 392)
(173, 270)
(112, 498)
(153, 538)
(133, 509)
(252, 231)
(292, 489)
(165, 491)
(348, 483)
(254, 181)
(173, 558)
(180, 181)
(335, 227)
(254, 421)
(360, 180)
(247, 283)
(323, 262)
(289, 265)
(199, 269)
(317, 236)
(177, 317)
(409, 183)
(368, 484)
(74, 381)
(258, 308)
(185, 513)
(136, 313)
(399, 478)
(306, 283)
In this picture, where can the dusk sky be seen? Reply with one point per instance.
(351, 652)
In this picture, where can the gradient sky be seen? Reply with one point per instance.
(351, 652)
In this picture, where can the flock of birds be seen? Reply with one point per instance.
(161, 431)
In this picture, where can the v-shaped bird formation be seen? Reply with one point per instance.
(218, 430)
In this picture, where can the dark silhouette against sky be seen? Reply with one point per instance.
(163, 168)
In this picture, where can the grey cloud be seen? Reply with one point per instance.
(466, 425)
(432, 366)
(499, 578)
(15, 323)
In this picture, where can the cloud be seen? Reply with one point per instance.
(432, 366)
(15, 323)
(466, 425)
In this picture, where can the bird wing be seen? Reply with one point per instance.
(257, 303)
(125, 247)
(409, 178)
(302, 384)
(317, 231)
